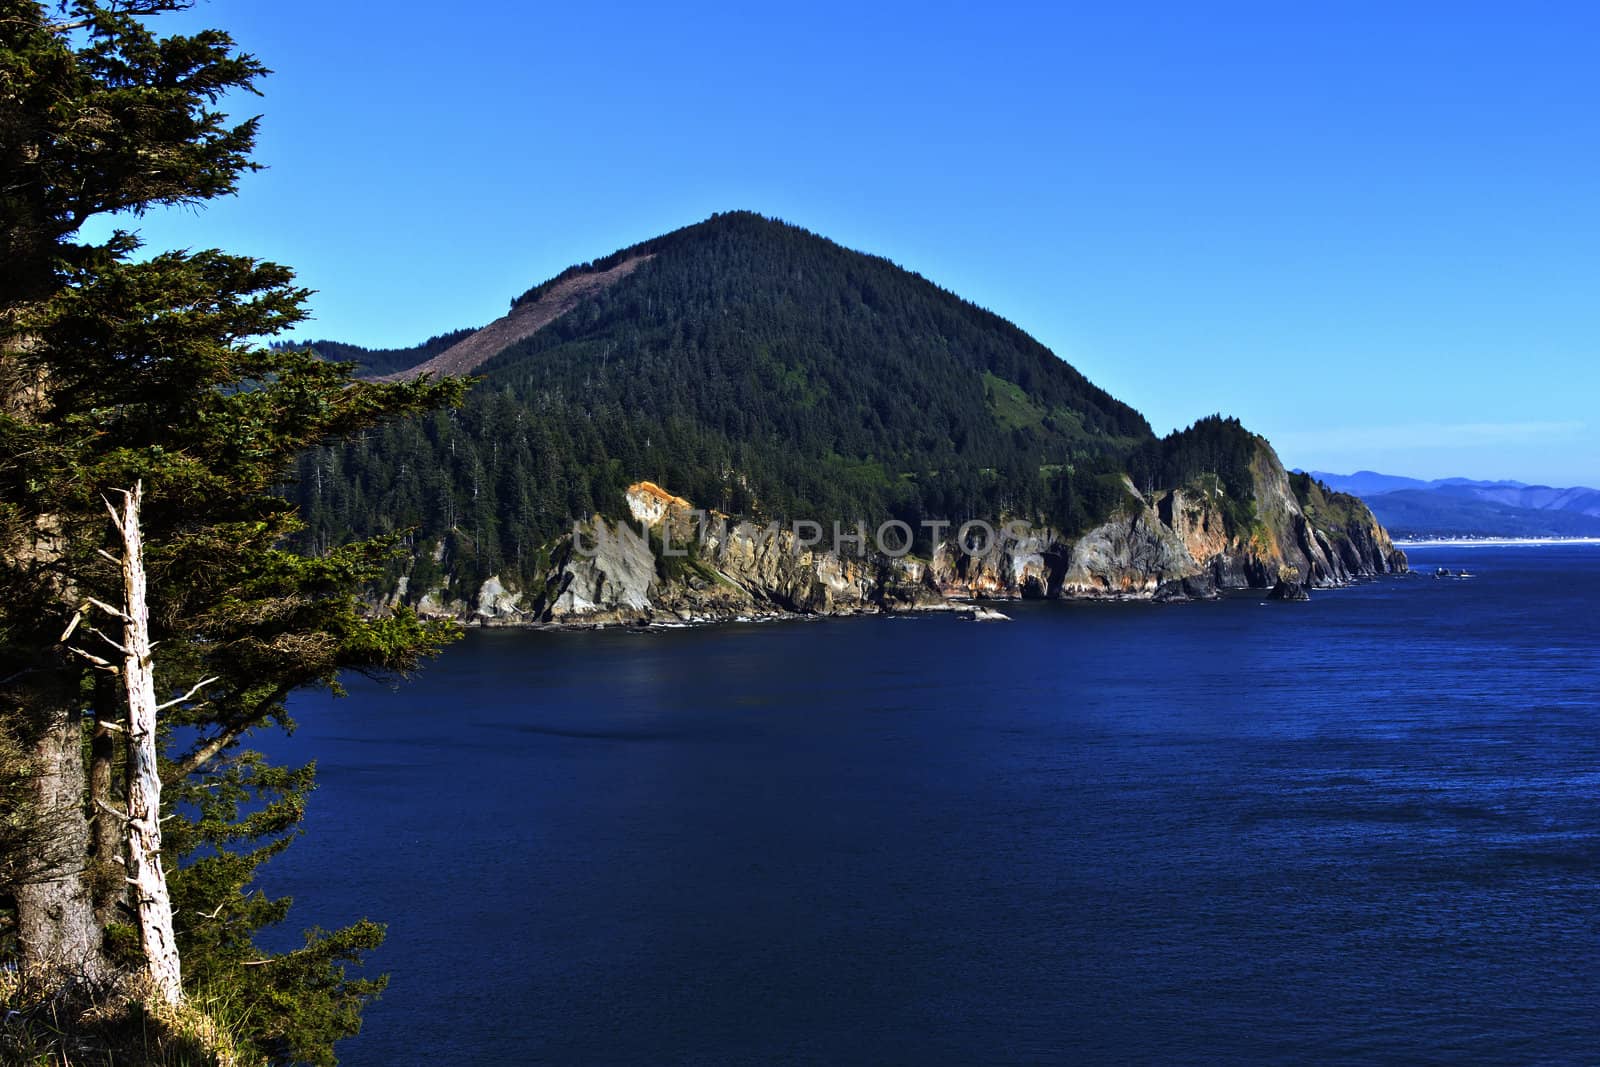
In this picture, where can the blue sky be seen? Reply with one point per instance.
(1371, 231)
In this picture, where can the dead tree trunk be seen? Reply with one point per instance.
(152, 902)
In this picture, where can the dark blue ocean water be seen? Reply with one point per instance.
(1365, 828)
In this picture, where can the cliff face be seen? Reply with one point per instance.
(1177, 544)
(673, 564)
(714, 568)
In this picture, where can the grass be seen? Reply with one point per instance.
(84, 1023)
(1012, 408)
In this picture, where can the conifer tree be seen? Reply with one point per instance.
(118, 372)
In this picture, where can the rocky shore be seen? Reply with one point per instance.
(673, 565)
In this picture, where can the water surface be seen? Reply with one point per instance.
(1363, 828)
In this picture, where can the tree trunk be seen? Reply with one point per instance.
(148, 881)
(58, 934)
(60, 937)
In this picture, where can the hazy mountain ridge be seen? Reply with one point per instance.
(1464, 507)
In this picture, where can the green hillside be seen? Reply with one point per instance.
(753, 367)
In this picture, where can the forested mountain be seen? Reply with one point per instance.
(759, 370)
(756, 368)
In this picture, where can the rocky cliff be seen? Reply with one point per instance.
(673, 564)
(1177, 543)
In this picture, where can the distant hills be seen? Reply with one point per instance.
(1462, 507)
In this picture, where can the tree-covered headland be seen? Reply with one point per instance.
(760, 370)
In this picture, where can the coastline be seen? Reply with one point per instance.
(1493, 542)
(969, 609)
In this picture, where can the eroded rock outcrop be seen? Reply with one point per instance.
(680, 565)
(1134, 555)
(673, 563)
(1288, 590)
(1180, 544)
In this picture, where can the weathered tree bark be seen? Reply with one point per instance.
(152, 902)
(56, 925)
(59, 936)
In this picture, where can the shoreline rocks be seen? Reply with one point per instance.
(1287, 590)
(1171, 546)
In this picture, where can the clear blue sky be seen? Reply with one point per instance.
(1371, 231)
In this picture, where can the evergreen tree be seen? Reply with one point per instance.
(116, 372)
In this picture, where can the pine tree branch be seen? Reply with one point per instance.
(103, 664)
(109, 640)
(77, 617)
(205, 751)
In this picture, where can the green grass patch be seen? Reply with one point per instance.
(1012, 408)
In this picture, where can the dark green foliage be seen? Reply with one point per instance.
(1331, 512)
(114, 371)
(1085, 496)
(1212, 446)
(19, 828)
(1302, 483)
(751, 367)
(293, 1006)
(124, 123)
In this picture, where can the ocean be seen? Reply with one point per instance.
(1364, 828)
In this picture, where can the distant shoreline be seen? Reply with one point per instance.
(1491, 542)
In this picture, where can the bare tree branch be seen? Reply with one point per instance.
(103, 806)
(109, 640)
(115, 613)
(77, 617)
(192, 691)
(103, 664)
